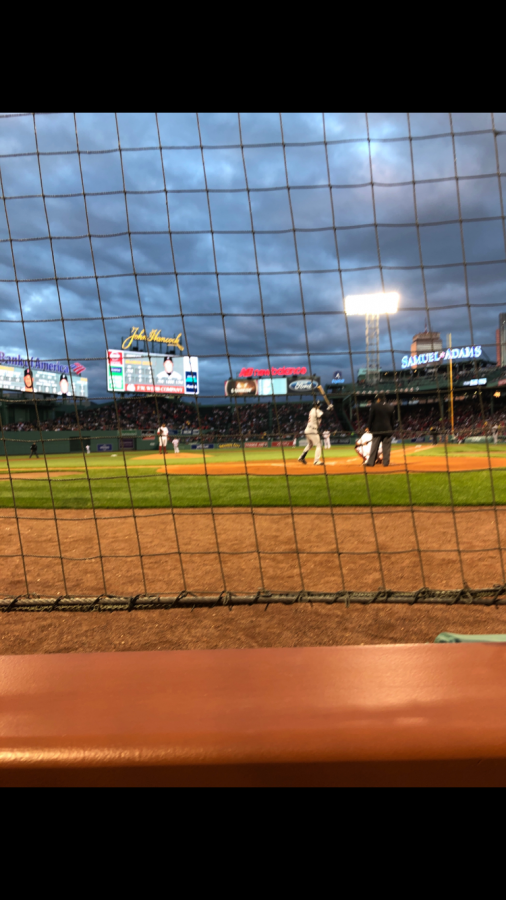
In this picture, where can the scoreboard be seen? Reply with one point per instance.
(154, 373)
(12, 378)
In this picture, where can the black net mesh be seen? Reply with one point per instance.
(228, 244)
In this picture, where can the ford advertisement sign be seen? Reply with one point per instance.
(303, 386)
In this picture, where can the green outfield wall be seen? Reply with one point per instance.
(14, 443)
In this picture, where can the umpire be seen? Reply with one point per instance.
(381, 425)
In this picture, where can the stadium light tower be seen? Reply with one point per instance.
(372, 306)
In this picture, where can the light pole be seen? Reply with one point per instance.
(372, 306)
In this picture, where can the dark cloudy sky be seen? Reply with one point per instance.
(316, 204)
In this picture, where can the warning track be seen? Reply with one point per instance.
(86, 553)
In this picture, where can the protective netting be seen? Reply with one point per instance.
(238, 237)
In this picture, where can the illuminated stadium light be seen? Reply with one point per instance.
(371, 304)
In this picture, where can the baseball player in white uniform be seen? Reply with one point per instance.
(363, 447)
(312, 432)
(163, 434)
(175, 444)
(326, 439)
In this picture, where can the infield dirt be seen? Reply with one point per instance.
(350, 466)
(118, 552)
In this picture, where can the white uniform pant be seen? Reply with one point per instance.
(326, 443)
(313, 440)
(162, 441)
(176, 446)
(365, 451)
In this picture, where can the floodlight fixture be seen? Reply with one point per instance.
(371, 304)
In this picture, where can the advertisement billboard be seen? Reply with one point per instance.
(442, 356)
(302, 385)
(280, 372)
(267, 387)
(36, 376)
(154, 336)
(245, 387)
(154, 373)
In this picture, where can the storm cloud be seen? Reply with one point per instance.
(244, 232)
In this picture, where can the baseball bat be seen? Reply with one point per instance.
(322, 392)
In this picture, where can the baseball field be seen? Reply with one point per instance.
(458, 475)
(132, 523)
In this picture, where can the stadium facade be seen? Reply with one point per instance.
(429, 376)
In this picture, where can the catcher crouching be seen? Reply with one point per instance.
(363, 448)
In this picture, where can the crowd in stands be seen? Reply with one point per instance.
(147, 415)
(257, 419)
(468, 421)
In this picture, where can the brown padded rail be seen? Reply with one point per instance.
(335, 716)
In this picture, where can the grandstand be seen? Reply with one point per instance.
(418, 418)
(422, 391)
(139, 419)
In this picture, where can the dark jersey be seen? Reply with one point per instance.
(381, 418)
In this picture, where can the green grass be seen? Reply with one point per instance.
(464, 450)
(109, 488)
(467, 488)
(107, 462)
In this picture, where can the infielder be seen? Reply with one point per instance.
(175, 444)
(363, 447)
(326, 440)
(163, 434)
(312, 432)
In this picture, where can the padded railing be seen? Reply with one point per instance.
(418, 715)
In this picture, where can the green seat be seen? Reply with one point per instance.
(447, 637)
